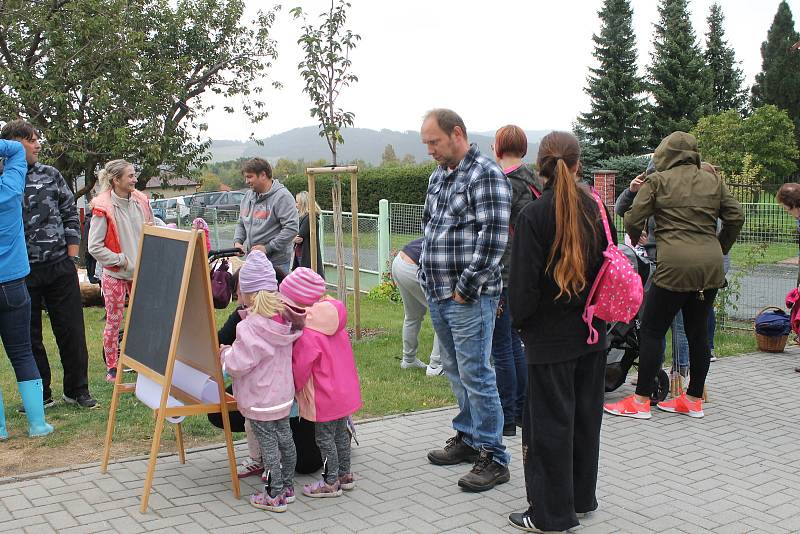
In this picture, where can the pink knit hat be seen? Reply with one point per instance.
(257, 274)
(303, 286)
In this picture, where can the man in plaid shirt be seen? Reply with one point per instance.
(467, 208)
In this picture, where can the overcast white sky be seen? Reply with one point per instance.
(495, 62)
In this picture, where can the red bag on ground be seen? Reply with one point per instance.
(617, 292)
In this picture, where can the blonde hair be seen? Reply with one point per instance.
(264, 303)
(113, 169)
(302, 199)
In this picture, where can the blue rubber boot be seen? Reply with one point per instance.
(3, 432)
(31, 392)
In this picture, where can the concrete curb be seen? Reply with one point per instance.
(57, 470)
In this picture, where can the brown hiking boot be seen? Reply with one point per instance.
(455, 451)
(485, 474)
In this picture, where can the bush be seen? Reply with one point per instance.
(405, 184)
(627, 167)
(387, 289)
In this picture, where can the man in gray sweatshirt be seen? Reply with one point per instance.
(267, 217)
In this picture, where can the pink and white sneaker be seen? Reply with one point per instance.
(321, 489)
(683, 405)
(629, 407)
(347, 481)
(271, 504)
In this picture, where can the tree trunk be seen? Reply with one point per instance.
(336, 197)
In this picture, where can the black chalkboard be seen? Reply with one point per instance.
(155, 301)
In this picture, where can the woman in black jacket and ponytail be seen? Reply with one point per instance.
(556, 255)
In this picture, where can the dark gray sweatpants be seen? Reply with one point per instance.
(277, 452)
(333, 441)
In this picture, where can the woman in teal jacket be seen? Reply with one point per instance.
(15, 303)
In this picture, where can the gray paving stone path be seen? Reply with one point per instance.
(735, 471)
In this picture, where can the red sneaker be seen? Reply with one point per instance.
(683, 405)
(629, 407)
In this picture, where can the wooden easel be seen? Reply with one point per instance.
(312, 174)
(171, 318)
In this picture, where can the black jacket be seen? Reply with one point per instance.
(552, 330)
(302, 256)
(521, 180)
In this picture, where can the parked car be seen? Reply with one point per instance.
(226, 202)
(171, 210)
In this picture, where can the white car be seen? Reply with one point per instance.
(171, 210)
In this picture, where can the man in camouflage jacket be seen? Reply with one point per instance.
(52, 235)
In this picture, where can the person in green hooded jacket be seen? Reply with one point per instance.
(686, 202)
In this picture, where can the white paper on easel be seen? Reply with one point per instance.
(196, 383)
(149, 392)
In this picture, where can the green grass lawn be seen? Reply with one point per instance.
(79, 433)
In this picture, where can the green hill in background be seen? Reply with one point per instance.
(360, 143)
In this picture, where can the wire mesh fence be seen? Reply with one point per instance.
(763, 260)
(367, 240)
(405, 224)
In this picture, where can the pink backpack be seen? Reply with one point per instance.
(617, 292)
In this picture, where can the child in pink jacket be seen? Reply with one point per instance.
(325, 378)
(260, 363)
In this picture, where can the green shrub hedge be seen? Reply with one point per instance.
(405, 184)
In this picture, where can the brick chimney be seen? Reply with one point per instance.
(604, 181)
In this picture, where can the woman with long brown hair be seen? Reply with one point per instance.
(556, 255)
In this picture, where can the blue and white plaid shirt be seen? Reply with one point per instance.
(465, 227)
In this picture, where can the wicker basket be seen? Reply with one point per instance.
(770, 343)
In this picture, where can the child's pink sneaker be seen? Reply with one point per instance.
(271, 504)
(321, 489)
(683, 405)
(629, 407)
(288, 491)
(347, 481)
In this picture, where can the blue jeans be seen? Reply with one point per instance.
(465, 341)
(15, 329)
(509, 365)
(712, 327)
(680, 346)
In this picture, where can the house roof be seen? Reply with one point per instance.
(175, 181)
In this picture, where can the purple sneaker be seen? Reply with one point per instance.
(271, 504)
(288, 492)
(320, 489)
(347, 481)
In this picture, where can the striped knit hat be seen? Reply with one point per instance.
(257, 274)
(303, 287)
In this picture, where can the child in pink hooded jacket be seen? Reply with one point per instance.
(325, 378)
(260, 363)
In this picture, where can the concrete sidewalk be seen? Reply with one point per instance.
(736, 470)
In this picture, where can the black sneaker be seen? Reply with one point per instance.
(455, 451)
(510, 430)
(485, 474)
(84, 400)
(47, 403)
(523, 521)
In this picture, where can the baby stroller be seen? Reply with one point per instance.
(623, 352)
(223, 285)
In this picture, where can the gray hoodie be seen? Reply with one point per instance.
(269, 219)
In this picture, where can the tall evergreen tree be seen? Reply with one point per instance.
(726, 77)
(679, 81)
(778, 82)
(614, 123)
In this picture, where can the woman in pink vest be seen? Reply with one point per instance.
(118, 214)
